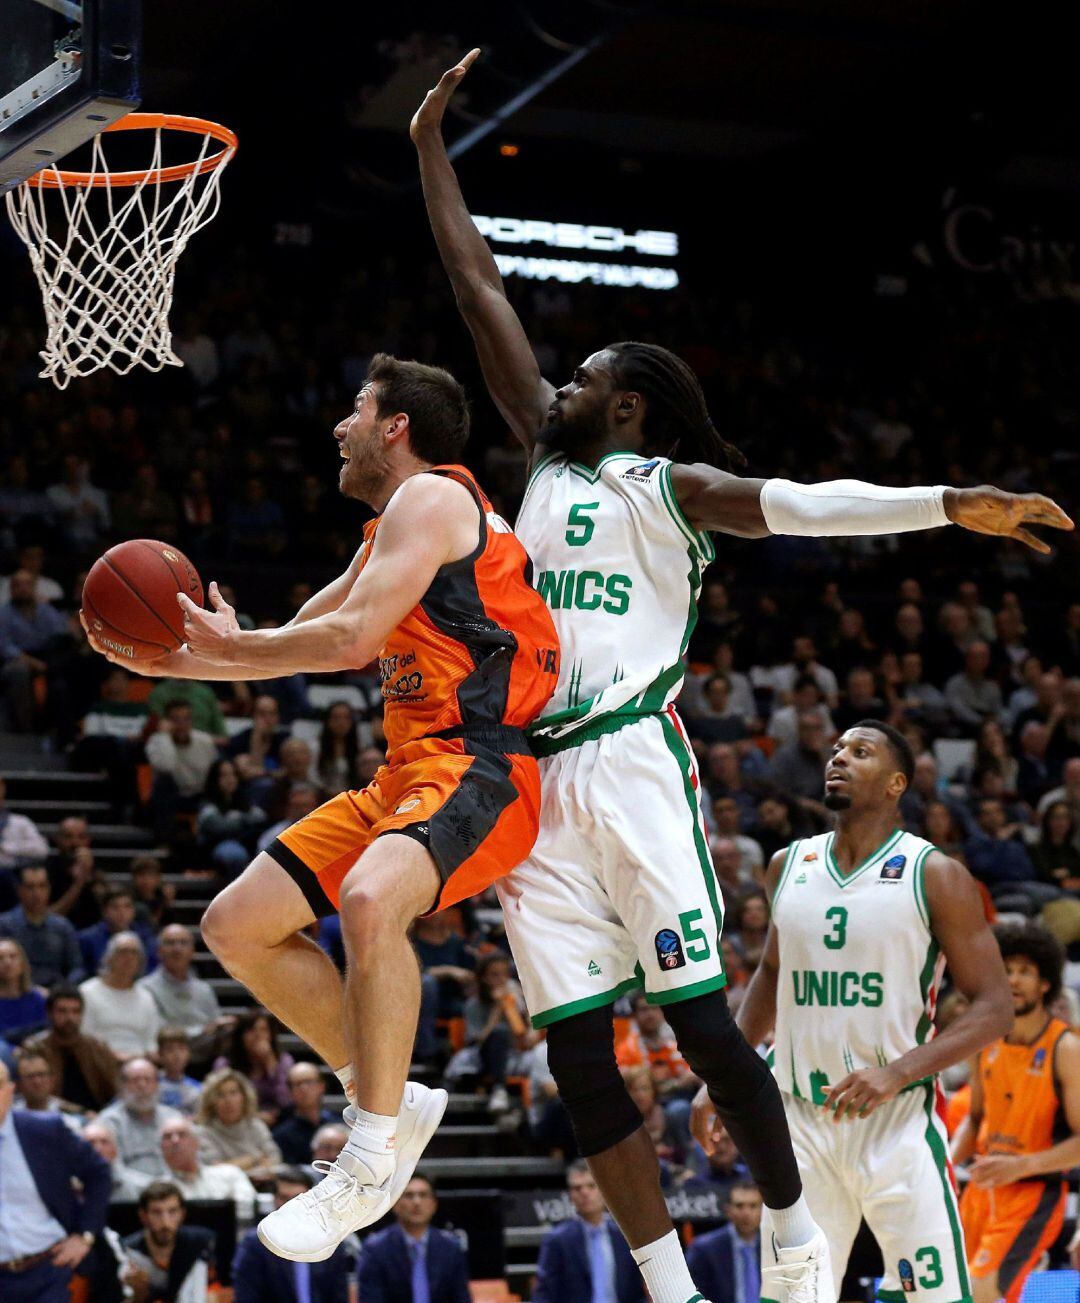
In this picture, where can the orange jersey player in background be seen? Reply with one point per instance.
(1024, 1125)
(441, 593)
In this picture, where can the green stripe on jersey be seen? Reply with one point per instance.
(875, 858)
(937, 1148)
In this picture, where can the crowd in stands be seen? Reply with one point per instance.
(970, 646)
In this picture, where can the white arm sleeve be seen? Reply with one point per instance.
(843, 508)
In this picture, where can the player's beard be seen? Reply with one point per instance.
(837, 801)
(569, 435)
(366, 470)
(1022, 1010)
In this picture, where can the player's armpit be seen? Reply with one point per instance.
(713, 499)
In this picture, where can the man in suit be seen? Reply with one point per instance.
(168, 1262)
(725, 1264)
(586, 1259)
(260, 1276)
(413, 1262)
(46, 1230)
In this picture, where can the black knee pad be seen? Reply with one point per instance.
(716, 1050)
(581, 1057)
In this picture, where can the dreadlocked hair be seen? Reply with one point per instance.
(676, 417)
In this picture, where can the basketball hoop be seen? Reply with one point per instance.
(106, 270)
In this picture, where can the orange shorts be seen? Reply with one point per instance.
(1008, 1229)
(474, 809)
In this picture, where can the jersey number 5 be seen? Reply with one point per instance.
(579, 528)
(835, 939)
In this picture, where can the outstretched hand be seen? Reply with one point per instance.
(154, 669)
(986, 510)
(429, 116)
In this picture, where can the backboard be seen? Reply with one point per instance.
(68, 68)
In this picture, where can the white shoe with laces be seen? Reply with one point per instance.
(310, 1227)
(801, 1274)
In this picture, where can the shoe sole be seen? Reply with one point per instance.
(427, 1122)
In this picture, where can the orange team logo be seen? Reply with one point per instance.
(810, 857)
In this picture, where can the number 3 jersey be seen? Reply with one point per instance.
(619, 567)
(859, 964)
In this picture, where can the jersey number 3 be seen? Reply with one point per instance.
(835, 939)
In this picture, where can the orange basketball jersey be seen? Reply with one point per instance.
(480, 651)
(1021, 1109)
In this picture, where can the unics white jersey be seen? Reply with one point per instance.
(620, 567)
(859, 964)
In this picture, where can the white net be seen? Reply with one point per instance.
(105, 256)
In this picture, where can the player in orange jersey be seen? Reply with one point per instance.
(468, 656)
(1024, 1125)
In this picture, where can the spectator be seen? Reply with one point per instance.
(750, 921)
(716, 719)
(804, 661)
(182, 999)
(338, 766)
(1064, 725)
(253, 1050)
(992, 752)
(294, 773)
(75, 883)
(445, 956)
(127, 1184)
(328, 1142)
(123, 1014)
(942, 829)
(43, 1215)
(85, 1068)
(299, 1123)
(727, 1263)
(81, 509)
(586, 1258)
(256, 524)
(926, 787)
(413, 1260)
(1033, 772)
(981, 617)
(725, 777)
(22, 1005)
(37, 1085)
(775, 826)
(117, 915)
(741, 694)
(797, 768)
(301, 800)
(29, 630)
(176, 1089)
(32, 559)
(145, 509)
(727, 863)
(852, 647)
(1055, 855)
(996, 855)
(807, 699)
(206, 714)
(957, 633)
(180, 757)
(718, 622)
(230, 1129)
(49, 942)
(1047, 695)
(970, 695)
(860, 701)
(650, 1042)
(20, 843)
(257, 749)
(228, 823)
(137, 1115)
(723, 1169)
(180, 1152)
(498, 1035)
(1069, 791)
(153, 896)
(917, 699)
(259, 1276)
(727, 819)
(168, 1262)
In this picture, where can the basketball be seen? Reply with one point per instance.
(129, 598)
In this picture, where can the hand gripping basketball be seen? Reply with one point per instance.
(213, 634)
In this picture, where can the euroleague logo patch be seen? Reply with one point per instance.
(907, 1276)
(641, 472)
(893, 870)
(669, 951)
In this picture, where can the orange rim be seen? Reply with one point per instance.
(54, 179)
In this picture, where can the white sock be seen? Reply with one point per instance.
(371, 1141)
(345, 1076)
(793, 1226)
(664, 1270)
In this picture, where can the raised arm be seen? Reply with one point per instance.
(713, 499)
(512, 376)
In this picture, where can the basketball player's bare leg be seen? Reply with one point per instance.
(985, 1289)
(255, 929)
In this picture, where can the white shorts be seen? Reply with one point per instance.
(891, 1168)
(619, 890)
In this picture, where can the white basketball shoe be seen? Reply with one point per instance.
(801, 1274)
(310, 1227)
